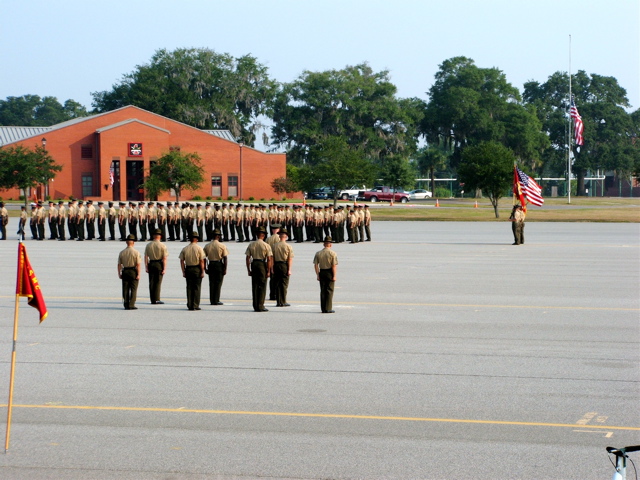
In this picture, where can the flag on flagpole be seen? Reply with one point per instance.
(27, 284)
(526, 187)
(578, 126)
(112, 177)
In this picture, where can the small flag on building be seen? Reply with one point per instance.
(112, 177)
(27, 284)
(578, 126)
(525, 187)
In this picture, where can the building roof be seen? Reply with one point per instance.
(14, 134)
(126, 122)
(10, 134)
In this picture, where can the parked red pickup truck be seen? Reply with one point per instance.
(384, 194)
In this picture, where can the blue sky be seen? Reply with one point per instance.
(71, 48)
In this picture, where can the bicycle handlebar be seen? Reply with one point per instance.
(624, 450)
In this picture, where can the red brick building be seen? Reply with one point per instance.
(106, 156)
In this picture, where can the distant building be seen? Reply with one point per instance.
(106, 156)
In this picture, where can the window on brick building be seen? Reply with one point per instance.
(233, 185)
(216, 185)
(86, 151)
(87, 184)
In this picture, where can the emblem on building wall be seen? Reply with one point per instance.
(135, 149)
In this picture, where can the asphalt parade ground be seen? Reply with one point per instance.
(452, 355)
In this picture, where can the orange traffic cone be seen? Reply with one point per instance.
(437, 203)
(476, 205)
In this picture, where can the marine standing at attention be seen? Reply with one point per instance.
(4, 221)
(325, 263)
(259, 260)
(129, 262)
(192, 259)
(517, 217)
(155, 262)
(217, 254)
(281, 271)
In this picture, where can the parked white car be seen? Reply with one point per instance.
(352, 192)
(419, 194)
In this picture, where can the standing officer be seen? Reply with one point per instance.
(81, 214)
(90, 219)
(271, 241)
(367, 222)
(192, 259)
(41, 218)
(52, 217)
(111, 218)
(200, 220)
(21, 223)
(259, 261)
(71, 220)
(129, 262)
(155, 263)
(217, 254)
(240, 222)
(4, 221)
(281, 271)
(517, 217)
(162, 221)
(152, 218)
(102, 222)
(62, 218)
(131, 216)
(33, 223)
(325, 263)
(208, 220)
(122, 220)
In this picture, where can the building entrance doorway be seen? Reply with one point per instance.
(135, 178)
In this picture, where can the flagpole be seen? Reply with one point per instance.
(13, 369)
(13, 355)
(569, 132)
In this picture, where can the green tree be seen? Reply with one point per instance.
(355, 103)
(430, 159)
(23, 168)
(198, 87)
(175, 171)
(608, 128)
(33, 111)
(488, 166)
(335, 164)
(468, 105)
(397, 173)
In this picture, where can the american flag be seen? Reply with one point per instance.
(578, 126)
(526, 186)
(112, 178)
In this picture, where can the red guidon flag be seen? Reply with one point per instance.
(27, 284)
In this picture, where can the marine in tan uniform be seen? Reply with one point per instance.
(281, 270)
(367, 222)
(90, 220)
(129, 262)
(325, 263)
(259, 261)
(102, 222)
(22, 223)
(4, 221)
(155, 262)
(271, 241)
(81, 214)
(192, 260)
(162, 217)
(52, 218)
(62, 219)
(112, 217)
(517, 218)
(217, 254)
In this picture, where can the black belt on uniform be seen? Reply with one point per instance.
(259, 260)
(151, 261)
(280, 262)
(130, 268)
(215, 261)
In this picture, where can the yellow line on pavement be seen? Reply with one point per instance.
(328, 415)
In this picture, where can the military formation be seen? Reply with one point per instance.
(79, 221)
